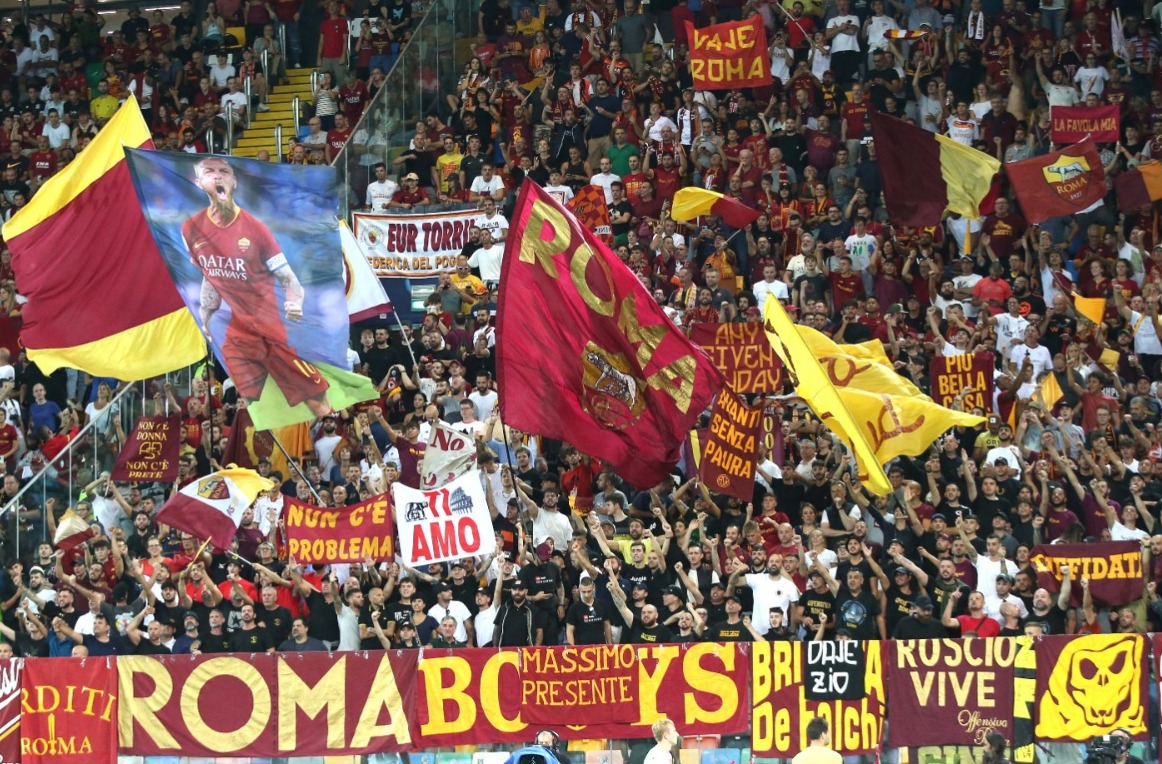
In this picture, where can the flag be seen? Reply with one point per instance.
(366, 297)
(1093, 308)
(211, 507)
(814, 387)
(624, 385)
(727, 461)
(1074, 124)
(267, 287)
(1062, 183)
(864, 366)
(906, 34)
(71, 531)
(443, 524)
(1139, 187)
(450, 454)
(247, 444)
(691, 202)
(729, 55)
(589, 207)
(1109, 358)
(119, 315)
(1048, 392)
(925, 174)
(1118, 37)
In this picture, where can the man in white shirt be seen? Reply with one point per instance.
(606, 179)
(1011, 327)
(770, 589)
(486, 185)
(379, 191)
(667, 738)
(843, 34)
(221, 72)
(1091, 78)
(446, 607)
(492, 221)
(561, 193)
(770, 285)
(236, 97)
(1059, 92)
(1032, 349)
(488, 258)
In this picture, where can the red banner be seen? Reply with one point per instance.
(322, 536)
(729, 55)
(951, 691)
(1062, 183)
(69, 711)
(589, 206)
(151, 451)
(1114, 570)
(1073, 124)
(781, 710)
(1090, 685)
(479, 696)
(10, 684)
(743, 354)
(309, 704)
(949, 374)
(731, 446)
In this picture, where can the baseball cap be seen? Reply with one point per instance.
(189, 614)
(411, 176)
(923, 602)
(36, 569)
(518, 584)
(899, 569)
(1005, 577)
(677, 591)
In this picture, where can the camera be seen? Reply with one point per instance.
(1105, 749)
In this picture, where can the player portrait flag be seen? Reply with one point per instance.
(267, 287)
(211, 507)
(119, 315)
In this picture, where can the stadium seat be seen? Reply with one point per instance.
(453, 758)
(421, 758)
(588, 744)
(689, 756)
(240, 34)
(701, 742)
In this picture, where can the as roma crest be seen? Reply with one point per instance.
(612, 394)
(1068, 176)
(213, 489)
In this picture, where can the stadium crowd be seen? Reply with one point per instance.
(600, 94)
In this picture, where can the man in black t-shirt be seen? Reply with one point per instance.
(587, 622)
(248, 638)
(815, 602)
(734, 628)
(641, 629)
(857, 610)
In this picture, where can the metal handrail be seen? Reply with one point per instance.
(278, 140)
(229, 127)
(314, 81)
(210, 140)
(296, 110)
(266, 64)
(281, 48)
(247, 89)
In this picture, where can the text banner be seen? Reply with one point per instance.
(69, 713)
(729, 55)
(743, 355)
(10, 683)
(445, 523)
(151, 451)
(1090, 685)
(1114, 570)
(834, 670)
(730, 446)
(322, 536)
(949, 374)
(1073, 124)
(411, 246)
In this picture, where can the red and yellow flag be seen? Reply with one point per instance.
(729, 55)
(691, 202)
(99, 296)
(589, 206)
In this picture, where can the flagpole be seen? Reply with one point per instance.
(294, 465)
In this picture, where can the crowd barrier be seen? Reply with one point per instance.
(936, 692)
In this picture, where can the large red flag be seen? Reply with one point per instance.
(585, 354)
(1058, 184)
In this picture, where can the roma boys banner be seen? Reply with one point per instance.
(152, 451)
(743, 355)
(1073, 124)
(729, 55)
(1114, 570)
(266, 286)
(949, 374)
(730, 446)
(69, 711)
(1087, 686)
(781, 709)
(323, 536)
(413, 246)
(444, 523)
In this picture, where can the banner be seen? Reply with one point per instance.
(322, 536)
(742, 354)
(476, 696)
(834, 670)
(411, 246)
(729, 55)
(781, 710)
(949, 374)
(151, 452)
(445, 523)
(10, 684)
(1058, 184)
(1090, 685)
(727, 463)
(450, 454)
(308, 704)
(1073, 124)
(267, 286)
(69, 711)
(951, 691)
(589, 206)
(1114, 570)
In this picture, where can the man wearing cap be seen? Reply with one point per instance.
(446, 607)
(189, 635)
(518, 623)
(411, 195)
(901, 589)
(645, 626)
(920, 624)
(1004, 587)
(484, 618)
(815, 603)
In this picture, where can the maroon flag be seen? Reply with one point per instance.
(624, 384)
(1114, 570)
(1062, 183)
(729, 450)
(1073, 124)
(589, 206)
(54, 731)
(151, 452)
(743, 354)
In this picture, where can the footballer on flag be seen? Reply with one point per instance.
(625, 385)
(267, 287)
(211, 507)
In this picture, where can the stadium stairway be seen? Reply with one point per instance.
(261, 133)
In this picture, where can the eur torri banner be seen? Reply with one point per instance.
(411, 246)
(949, 374)
(445, 523)
(1114, 570)
(267, 287)
(151, 451)
(729, 55)
(1073, 124)
(322, 536)
(743, 355)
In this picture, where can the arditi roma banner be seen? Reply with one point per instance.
(729, 55)
(152, 451)
(322, 536)
(69, 711)
(743, 355)
(949, 374)
(412, 246)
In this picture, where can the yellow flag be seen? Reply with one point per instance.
(864, 366)
(813, 386)
(968, 174)
(1109, 358)
(1048, 392)
(901, 425)
(1093, 308)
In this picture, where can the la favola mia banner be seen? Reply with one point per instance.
(1073, 124)
(729, 55)
(414, 246)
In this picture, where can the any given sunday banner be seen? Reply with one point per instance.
(265, 286)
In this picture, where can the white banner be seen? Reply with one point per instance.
(449, 455)
(411, 246)
(443, 524)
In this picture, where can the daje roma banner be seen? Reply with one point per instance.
(444, 523)
(69, 711)
(729, 55)
(951, 691)
(1073, 124)
(1090, 685)
(411, 246)
(949, 374)
(730, 447)
(743, 354)
(781, 709)
(1114, 570)
(151, 451)
(322, 536)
